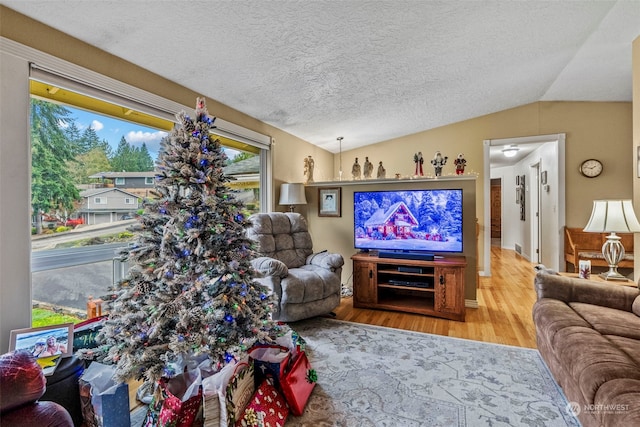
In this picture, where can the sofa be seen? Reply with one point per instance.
(588, 334)
(22, 384)
(305, 283)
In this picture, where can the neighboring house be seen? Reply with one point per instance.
(245, 176)
(139, 183)
(104, 205)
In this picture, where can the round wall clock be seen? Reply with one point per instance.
(591, 168)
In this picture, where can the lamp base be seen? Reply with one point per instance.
(612, 275)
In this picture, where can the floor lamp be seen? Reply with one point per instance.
(292, 195)
(613, 216)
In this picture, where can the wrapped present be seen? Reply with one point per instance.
(239, 391)
(177, 402)
(267, 407)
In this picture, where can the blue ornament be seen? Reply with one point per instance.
(227, 357)
(188, 224)
(239, 217)
(168, 274)
(186, 252)
(204, 162)
(243, 293)
(263, 297)
(228, 318)
(163, 211)
(180, 338)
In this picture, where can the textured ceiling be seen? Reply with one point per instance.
(365, 70)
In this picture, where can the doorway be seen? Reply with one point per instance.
(516, 229)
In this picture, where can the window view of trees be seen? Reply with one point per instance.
(67, 151)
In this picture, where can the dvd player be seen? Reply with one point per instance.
(406, 255)
(409, 283)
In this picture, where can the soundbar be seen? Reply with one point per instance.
(406, 255)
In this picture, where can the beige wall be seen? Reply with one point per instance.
(636, 146)
(593, 130)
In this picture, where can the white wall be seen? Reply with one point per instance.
(15, 160)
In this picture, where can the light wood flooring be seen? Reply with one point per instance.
(503, 316)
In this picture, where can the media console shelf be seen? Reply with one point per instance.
(434, 288)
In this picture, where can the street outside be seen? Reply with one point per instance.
(71, 287)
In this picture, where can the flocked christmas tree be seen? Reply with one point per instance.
(190, 290)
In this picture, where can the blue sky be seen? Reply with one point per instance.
(113, 130)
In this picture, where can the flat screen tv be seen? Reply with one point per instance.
(427, 221)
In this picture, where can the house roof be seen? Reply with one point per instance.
(369, 71)
(113, 175)
(96, 191)
(382, 216)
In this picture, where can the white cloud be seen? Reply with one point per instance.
(151, 139)
(96, 125)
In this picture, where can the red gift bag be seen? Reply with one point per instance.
(167, 409)
(267, 407)
(298, 383)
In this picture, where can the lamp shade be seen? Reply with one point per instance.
(613, 216)
(292, 194)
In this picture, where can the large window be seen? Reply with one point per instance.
(106, 152)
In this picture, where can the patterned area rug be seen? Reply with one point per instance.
(374, 376)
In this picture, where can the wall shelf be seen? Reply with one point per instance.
(465, 177)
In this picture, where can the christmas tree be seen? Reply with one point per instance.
(190, 290)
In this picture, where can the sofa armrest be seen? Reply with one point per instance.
(324, 259)
(570, 289)
(266, 267)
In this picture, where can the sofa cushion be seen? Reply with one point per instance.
(609, 321)
(628, 345)
(309, 283)
(635, 308)
(552, 315)
(591, 359)
(616, 403)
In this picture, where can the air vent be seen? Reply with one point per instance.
(518, 249)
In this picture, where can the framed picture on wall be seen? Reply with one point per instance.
(329, 202)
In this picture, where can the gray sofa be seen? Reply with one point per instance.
(588, 333)
(306, 284)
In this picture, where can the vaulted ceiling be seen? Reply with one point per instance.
(368, 71)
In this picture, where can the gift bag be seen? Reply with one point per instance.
(177, 402)
(104, 402)
(239, 391)
(298, 383)
(267, 407)
(214, 389)
(269, 361)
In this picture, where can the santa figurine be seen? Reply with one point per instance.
(460, 163)
(418, 160)
(438, 162)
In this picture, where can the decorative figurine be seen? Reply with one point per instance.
(438, 162)
(382, 173)
(368, 168)
(355, 170)
(418, 160)
(308, 169)
(460, 163)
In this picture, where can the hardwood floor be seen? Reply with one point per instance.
(503, 315)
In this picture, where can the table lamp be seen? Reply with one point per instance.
(292, 194)
(613, 216)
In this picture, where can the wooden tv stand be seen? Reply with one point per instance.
(434, 288)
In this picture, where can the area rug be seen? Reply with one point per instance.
(374, 376)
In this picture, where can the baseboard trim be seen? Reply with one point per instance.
(471, 303)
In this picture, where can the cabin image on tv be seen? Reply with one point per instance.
(416, 220)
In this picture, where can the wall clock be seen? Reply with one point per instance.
(591, 168)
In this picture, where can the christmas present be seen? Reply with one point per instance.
(267, 407)
(239, 391)
(269, 361)
(84, 333)
(104, 402)
(214, 390)
(177, 402)
(298, 383)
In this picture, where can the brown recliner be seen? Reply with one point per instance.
(22, 383)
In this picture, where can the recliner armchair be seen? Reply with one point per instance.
(306, 284)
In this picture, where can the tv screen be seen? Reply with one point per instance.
(408, 220)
